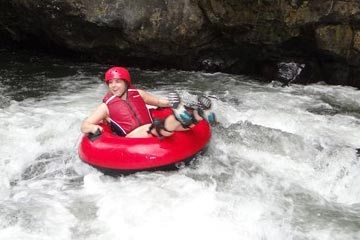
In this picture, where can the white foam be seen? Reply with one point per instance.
(270, 161)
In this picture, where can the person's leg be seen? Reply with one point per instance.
(160, 128)
(165, 128)
(182, 119)
(140, 132)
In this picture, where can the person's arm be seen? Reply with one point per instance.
(89, 125)
(154, 100)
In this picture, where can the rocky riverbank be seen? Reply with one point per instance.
(245, 37)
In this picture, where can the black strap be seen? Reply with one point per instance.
(158, 124)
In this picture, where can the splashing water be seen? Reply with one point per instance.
(282, 162)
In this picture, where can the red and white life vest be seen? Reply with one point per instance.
(126, 115)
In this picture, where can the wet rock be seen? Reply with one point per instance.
(210, 35)
(289, 72)
(336, 39)
(357, 40)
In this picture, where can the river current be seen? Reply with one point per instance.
(281, 164)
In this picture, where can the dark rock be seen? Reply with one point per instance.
(247, 37)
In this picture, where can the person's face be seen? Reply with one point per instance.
(117, 86)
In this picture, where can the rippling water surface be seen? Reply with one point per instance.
(282, 162)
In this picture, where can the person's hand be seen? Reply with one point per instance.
(95, 132)
(96, 128)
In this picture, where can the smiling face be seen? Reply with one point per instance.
(117, 87)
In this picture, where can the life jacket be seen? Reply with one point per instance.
(126, 115)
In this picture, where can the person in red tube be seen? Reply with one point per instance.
(124, 107)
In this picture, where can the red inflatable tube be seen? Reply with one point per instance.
(115, 155)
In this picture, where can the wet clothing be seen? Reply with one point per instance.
(126, 115)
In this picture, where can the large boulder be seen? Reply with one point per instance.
(237, 36)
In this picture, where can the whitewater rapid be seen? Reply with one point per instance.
(281, 164)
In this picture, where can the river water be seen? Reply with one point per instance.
(281, 164)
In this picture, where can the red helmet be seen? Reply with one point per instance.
(118, 73)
